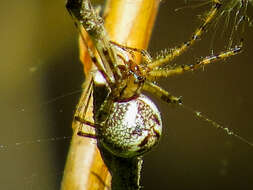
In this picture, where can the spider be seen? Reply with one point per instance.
(128, 123)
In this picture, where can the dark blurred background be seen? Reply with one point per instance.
(40, 64)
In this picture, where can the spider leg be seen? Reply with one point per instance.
(88, 18)
(86, 133)
(99, 64)
(146, 56)
(196, 35)
(91, 51)
(161, 93)
(152, 75)
(83, 112)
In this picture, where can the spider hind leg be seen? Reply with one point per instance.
(86, 133)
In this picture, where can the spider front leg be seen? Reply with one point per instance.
(161, 72)
(196, 35)
(86, 17)
(145, 55)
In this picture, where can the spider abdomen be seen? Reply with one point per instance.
(132, 128)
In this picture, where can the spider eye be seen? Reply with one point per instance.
(132, 128)
(140, 78)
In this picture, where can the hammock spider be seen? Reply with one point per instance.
(127, 123)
